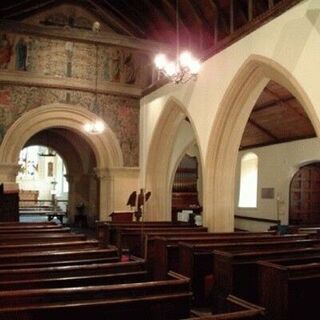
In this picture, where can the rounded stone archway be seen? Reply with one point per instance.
(105, 146)
(158, 170)
(227, 130)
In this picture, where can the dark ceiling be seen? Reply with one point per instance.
(202, 23)
(205, 27)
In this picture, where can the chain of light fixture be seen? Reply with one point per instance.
(96, 127)
(184, 68)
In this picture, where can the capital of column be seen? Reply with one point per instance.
(102, 173)
(8, 172)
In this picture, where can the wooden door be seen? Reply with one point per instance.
(305, 195)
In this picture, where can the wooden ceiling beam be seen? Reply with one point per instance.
(259, 145)
(273, 103)
(221, 16)
(127, 20)
(264, 130)
(27, 10)
(158, 14)
(173, 10)
(283, 103)
(110, 19)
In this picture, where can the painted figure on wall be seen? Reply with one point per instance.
(21, 54)
(113, 65)
(5, 51)
(129, 70)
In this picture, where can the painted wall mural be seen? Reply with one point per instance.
(58, 58)
(120, 113)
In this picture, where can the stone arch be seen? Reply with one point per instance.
(158, 175)
(227, 131)
(105, 146)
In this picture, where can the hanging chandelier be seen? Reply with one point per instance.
(184, 68)
(96, 127)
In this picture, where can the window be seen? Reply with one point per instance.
(248, 181)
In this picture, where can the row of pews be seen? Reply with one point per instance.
(278, 272)
(48, 272)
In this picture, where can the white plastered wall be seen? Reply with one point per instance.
(285, 50)
(277, 166)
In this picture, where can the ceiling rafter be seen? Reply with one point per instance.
(27, 10)
(222, 17)
(127, 20)
(282, 103)
(173, 10)
(271, 104)
(264, 130)
(110, 19)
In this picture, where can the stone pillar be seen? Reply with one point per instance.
(8, 175)
(106, 193)
(116, 185)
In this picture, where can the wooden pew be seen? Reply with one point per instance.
(132, 239)
(106, 231)
(71, 271)
(17, 223)
(289, 291)
(29, 227)
(71, 245)
(150, 236)
(236, 309)
(196, 260)
(157, 300)
(77, 281)
(34, 231)
(164, 254)
(58, 255)
(12, 239)
(237, 272)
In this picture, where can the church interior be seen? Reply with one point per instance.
(159, 159)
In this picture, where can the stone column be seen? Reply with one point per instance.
(8, 175)
(116, 185)
(106, 193)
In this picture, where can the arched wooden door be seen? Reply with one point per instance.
(305, 195)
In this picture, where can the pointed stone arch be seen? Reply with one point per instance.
(158, 176)
(227, 130)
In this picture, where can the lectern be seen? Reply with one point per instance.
(122, 216)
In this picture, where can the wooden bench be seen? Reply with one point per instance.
(77, 281)
(17, 223)
(58, 255)
(34, 231)
(237, 272)
(106, 231)
(289, 291)
(167, 299)
(236, 309)
(163, 252)
(196, 260)
(40, 238)
(150, 236)
(132, 239)
(71, 245)
(70, 271)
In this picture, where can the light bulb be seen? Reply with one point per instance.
(88, 127)
(185, 59)
(170, 69)
(194, 66)
(160, 60)
(99, 126)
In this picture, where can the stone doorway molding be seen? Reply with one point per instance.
(105, 146)
(227, 131)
